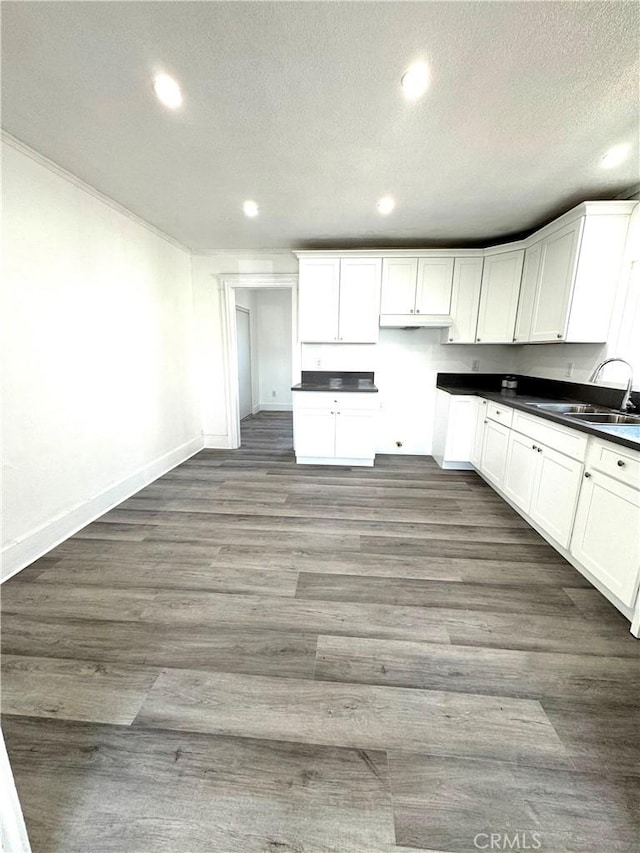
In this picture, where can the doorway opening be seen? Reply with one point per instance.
(263, 360)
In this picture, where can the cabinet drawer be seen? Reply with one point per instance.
(616, 461)
(568, 441)
(500, 414)
(330, 400)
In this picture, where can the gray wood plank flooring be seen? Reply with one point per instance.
(250, 656)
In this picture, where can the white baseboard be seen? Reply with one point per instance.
(275, 407)
(17, 555)
(13, 833)
(334, 460)
(216, 442)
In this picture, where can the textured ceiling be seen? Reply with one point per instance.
(298, 106)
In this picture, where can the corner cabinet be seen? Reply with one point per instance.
(499, 295)
(339, 299)
(334, 428)
(571, 275)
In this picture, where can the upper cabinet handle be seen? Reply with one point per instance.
(620, 463)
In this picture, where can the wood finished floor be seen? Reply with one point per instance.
(250, 656)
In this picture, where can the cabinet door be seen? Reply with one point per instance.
(557, 275)
(399, 276)
(606, 534)
(314, 432)
(433, 293)
(530, 275)
(520, 470)
(499, 297)
(318, 296)
(355, 434)
(481, 417)
(555, 493)
(461, 429)
(465, 299)
(359, 300)
(494, 451)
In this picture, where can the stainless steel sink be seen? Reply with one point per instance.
(606, 418)
(566, 408)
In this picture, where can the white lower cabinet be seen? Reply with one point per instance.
(555, 493)
(355, 436)
(314, 431)
(580, 492)
(544, 484)
(478, 439)
(494, 451)
(454, 429)
(520, 470)
(606, 533)
(334, 429)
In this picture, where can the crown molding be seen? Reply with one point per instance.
(248, 254)
(34, 155)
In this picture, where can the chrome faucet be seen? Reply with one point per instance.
(626, 403)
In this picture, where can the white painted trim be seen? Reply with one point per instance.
(249, 254)
(334, 460)
(13, 832)
(275, 407)
(216, 442)
(87, 188)
(17, 555)
(227, 284)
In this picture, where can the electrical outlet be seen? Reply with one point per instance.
(318, 363)
(569, 372)
(475, 365)
(274, 394)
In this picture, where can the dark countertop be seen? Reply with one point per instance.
(335, 381)
(546, 391)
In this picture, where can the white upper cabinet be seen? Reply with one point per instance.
(419, 288)
(555, 283)
(399, 277)
(318, 299)
(433, 291)
(499, 297)
(530, 274)
(339, 300)
(556, 286)
(359, 312)
(465, 299)
(576, 279)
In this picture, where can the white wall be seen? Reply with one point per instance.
(623, 339)
(98, 384)
(209, 336)
(406, 364)
(273, 349)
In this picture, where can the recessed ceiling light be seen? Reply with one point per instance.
(385, 205)
(250, 208)
(167, 90)
(415, 80)
(614, 156)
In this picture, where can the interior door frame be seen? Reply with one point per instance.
(255, 281)
(247, 311)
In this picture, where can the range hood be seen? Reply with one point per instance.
(415, 321)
